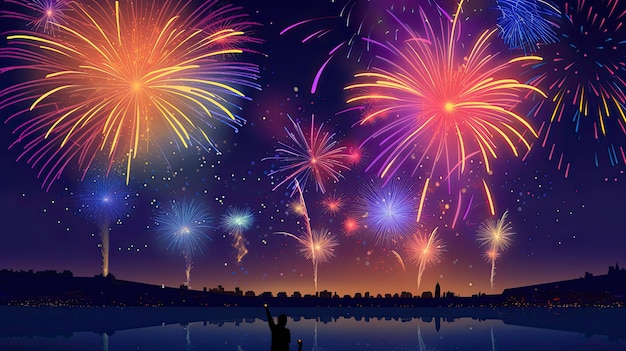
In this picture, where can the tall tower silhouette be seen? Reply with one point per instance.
(437, 291)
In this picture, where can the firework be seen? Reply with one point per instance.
(442, 104)
(388, 211)
(355, 155)
(116, 81)
(320, 248)
(315, 245)
(317, 156)
(332, 203)
(184, 227)
(584, 76)
(494, 236)
(236, 221)
(425, 250)
(297, 208)
(104, 201)
(350, 226)
(42, 15)
(526, 24)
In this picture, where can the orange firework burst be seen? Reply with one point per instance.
(320, 247)
(297, 208)
(121, 79)
(443, 105)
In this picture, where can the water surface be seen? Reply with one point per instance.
(113, 329)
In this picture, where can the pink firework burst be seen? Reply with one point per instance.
(316, 156)
(332, 203)
(350, 226)
(443, 108)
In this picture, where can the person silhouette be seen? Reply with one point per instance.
(281, 336)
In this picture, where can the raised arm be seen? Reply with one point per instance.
(270, 320)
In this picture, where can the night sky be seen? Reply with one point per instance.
(564, 199)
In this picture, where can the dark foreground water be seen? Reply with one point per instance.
(114, 329)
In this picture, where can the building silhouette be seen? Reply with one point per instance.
(49, 288)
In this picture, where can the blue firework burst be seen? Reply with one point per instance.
(388, 212)
(105, 199)
(184, 226)
(525, 24)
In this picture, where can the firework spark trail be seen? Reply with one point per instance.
(387, 211)
(42, 15)
(239, 243)
(317, 246)
(188, 266)
(442, 103)
(424, 250)
(400, 260)
(236, 221)
(469, 207)
(105, 341)
(317, 156)
(491, 255)
(116, 81)
(526, 24)
(492, 207)
(494, 236)
(357, 18)
(585, 77)
(420, 340)
(184, 227)
(458, 210)
(188, 344)
(104, 201)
